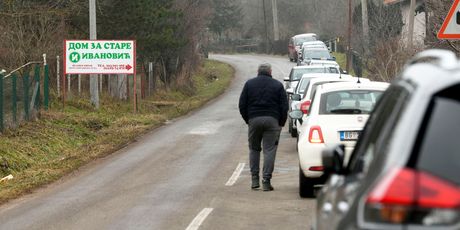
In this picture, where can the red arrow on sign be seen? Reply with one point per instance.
(128, 67)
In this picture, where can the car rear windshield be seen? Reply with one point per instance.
(349, 101)
(438, 148)
(299, 41)
(299, 72)
(317, 54)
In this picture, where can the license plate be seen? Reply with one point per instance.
(349, 135)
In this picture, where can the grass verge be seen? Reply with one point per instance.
(64, 139)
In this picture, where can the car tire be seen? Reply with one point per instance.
(306, 186)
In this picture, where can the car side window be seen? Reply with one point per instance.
(436, 149)
(291, 75)
(378, 129)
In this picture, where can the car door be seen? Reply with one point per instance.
(340, 191)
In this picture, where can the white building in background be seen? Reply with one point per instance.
(419, 20)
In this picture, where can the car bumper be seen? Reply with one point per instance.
(310, 156)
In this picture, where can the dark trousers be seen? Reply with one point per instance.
(263, 130)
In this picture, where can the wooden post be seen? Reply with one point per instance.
(411, 24)
(58, 77)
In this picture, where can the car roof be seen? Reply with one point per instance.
(432, 70)
(314, 66)
(336, 77)
(325, 75)
(329, 87)
(316, 49)
(305, 35)
(313, 43)
(315, 62)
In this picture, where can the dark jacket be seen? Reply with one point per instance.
(263, 96)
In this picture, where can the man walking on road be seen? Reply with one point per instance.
(263, 106)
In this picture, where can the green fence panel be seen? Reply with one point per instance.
(46, 88)
(1, 103)
(37, 81)
(25, 84)
(14, 97)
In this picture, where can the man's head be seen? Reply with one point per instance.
(265, 68)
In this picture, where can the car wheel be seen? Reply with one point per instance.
(306, 186)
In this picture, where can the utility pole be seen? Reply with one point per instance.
(266, 29)
(365, 26)
(411, 24)
(93, 86)
(276, 32)
(349, 37)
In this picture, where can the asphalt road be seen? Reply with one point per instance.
(177, 177)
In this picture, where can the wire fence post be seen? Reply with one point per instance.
(25, 84)
(58, 77)
(46, 88)
(14, 79)
(37, 82)
(1, 102)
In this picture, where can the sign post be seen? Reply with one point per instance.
(451, 27)
(101, 57)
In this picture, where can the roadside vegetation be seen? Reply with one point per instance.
(66, 138)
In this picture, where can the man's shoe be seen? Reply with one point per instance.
(255, 182)
(267, 186)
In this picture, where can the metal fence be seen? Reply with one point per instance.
(23, 92)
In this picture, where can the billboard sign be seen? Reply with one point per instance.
(99, 56)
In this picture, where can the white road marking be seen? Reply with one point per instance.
(235, 175)
(196, 223)
(207, 128)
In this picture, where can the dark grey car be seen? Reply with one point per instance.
(405, 170)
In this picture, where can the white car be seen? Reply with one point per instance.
(312, 44)
(302, 86)
(337, 114)
(316, 56)
(297, 72)
(308, 85)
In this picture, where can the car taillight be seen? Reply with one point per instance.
(316, 135)
(316, 168)
(305, 106)
(413, 197)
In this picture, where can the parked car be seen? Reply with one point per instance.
(295, 42)
(315, 56)
(309, 85)
(311, 44)
(404, 171)
(297, 72)
(337, 114)
(311, 72)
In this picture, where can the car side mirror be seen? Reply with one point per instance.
(296, 114)
(333, 158)
(290, 91)
(286, 79)
(296, 97)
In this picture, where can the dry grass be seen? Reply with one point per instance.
(64, 139)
